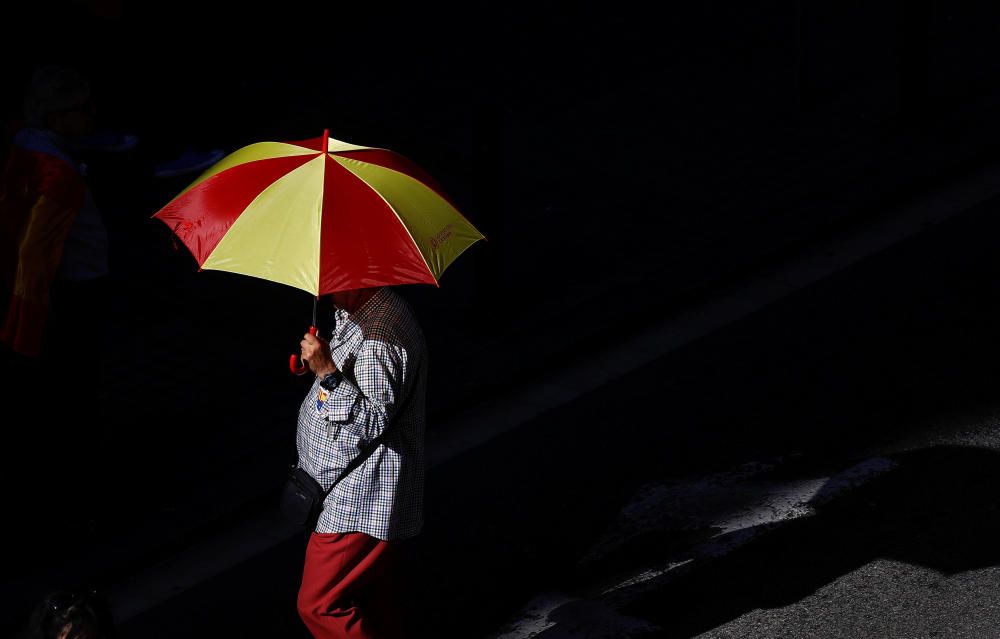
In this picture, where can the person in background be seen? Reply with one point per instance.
(56, 279)
(56, 248)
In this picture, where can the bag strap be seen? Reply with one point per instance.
(360, 459)
(357, 461)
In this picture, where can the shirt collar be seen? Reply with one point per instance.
(345, 319)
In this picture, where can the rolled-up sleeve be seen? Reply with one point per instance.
(366, 405)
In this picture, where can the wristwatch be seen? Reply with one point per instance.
(330, 380)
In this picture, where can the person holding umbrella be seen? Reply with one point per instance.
(345, 223)
(368, 395)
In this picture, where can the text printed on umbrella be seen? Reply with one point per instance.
(442, 235)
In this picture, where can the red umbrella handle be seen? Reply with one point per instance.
(299, 368)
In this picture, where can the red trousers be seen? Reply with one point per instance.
(350, 587)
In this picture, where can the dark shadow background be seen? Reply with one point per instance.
(596, 149)
(620, 163)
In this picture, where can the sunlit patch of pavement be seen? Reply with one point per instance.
(731, 508)
(953, 606)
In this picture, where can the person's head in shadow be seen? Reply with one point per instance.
(58, 99)
(71, 614)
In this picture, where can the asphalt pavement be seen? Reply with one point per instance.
(855, 431)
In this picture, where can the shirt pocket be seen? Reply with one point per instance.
(338, 412)
(339, 406)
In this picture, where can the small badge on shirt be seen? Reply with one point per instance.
(321, 398)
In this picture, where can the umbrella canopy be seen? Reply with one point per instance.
(320, 215)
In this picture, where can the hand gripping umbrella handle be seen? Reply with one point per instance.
(299, 368)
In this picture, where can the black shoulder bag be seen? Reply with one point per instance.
(302, 497)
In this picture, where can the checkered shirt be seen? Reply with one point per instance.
(380, 349)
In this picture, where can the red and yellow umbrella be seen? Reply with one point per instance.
(320, 215)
